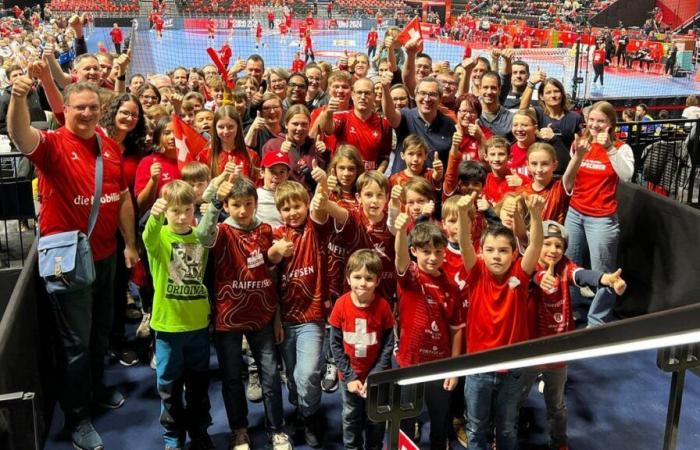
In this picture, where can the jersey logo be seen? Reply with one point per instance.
(255, 259)
(434, 327)
(381, 249)
(73, 156)
(360, 339)
(513, 282)
(558, 317)
(460, 283)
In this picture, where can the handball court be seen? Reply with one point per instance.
(616, 402)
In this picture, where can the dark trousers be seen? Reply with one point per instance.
(119, 288)
(118, 48)
(83, 320)
(182, 359)
(359, 433)
(371, 51)
(599, 70)
(437, 402)
(228, 351)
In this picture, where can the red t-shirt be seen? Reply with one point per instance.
(364, 234)
(309, 22)
(270, 16)
(554, 310)
(258, 31)
(495, 188)
(401, 178)
(302, 30)
(288, 20)
(211, 26)
(429, 308)
(497, 310)
(117, 36)
(518, 159)
(129, 165)
(158, 21)
(469, 147)
(599, 56)
(283, 28)
(246, 298)
(372, 137)
(305, 273)
(308, 45)
(169, 172)
(66, 165)
(234, 156)
(298, 66)
(595, 188)
(338, 246)
(556, 200)
(454, 269)
(363, 329)
(372, 37)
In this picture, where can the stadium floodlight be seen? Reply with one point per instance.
(678, 326)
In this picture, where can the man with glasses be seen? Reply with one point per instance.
(361, 126)
(298, 85)
(425, 121)
(66, 158)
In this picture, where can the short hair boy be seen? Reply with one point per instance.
(362, 340)
(275, 170)
(502, 177)
(180, 314)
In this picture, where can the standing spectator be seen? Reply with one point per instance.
(117, 38)
(67, 159)
(372, 37)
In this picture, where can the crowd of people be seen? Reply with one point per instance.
(336, 220)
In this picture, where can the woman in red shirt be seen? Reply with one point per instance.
(227, 145)
(592, 220)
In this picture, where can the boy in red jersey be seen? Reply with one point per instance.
(498, 282)
(555, 274)
(430, 320)
(362, 340)
(500, 180)
(246, 305)
(414, 153)
(304, 291)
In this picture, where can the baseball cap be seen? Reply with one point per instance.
(273, 158)
(551, 228)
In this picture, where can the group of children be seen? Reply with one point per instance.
(445, 260)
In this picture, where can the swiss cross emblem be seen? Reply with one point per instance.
(280, 154)
(360, 339)
(375, 134)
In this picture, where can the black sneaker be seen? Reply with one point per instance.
(85, 437)
(125, 355)
(311, 435)
(202, 442)
(109, 398)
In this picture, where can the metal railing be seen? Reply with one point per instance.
(17, 212)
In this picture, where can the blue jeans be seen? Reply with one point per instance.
(599, 238)
(359, 433)
(302, 351)
(554, 384)
(492, 400)
(84, 319)
(228, 350)
(182, 359)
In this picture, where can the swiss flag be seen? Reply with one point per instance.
(412, 30)
(405, 443)
(187, 141)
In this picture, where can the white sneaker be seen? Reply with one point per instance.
(587, 292)
(254, 393)
(540, 386)
(240, 440)
(144, 329)
(153, 361)
(280, 441)
(329, 383)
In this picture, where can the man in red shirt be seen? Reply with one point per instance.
(117, 37)
(372, 37)
(66, 161)
(271, 19)
(361, 126)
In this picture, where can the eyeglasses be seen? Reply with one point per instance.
(297, 86)
(428, 94)
(83, 108)
(128, 114)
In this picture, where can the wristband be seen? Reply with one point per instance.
(531, 84)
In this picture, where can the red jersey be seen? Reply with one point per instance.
(159, 23)
(495, 188)
(595, 188)
(380, 19)
(310, 22)
(556, 200)
(246, 298)
(554, 310)
(372, 37)
(298, 65)
(372, 137)
(469, 147)
(429, 308)
(66, 165)
(270, 16)
(211, 26)
(169, 172)
(258, 31)
(518, 159)
(363, 329)
(283, 28)
(308, 45)
(229, 23)
(497, 310)
(401, 178)
(454, 269)
(129, 165)
(360, 233)
(599, 56)
(302, 30)
(338, 246)
(288, 20)
(116, 35)
(235, 156)
(304, 274)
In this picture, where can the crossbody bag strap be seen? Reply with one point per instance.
(99, 169)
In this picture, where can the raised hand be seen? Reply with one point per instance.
(514, 180)
(156, 170)
(332, 180)
(614, 281)
(438, 168)
(225, 188)
(466, 203)
(428, 208)
(159, 207)
(401, 222)
(333, 105)
(319, 175)
(549, 282)
(286, 146)
(546, 133)
(396, 193)
(457, 138)
(535, 204)
(259, 122)
(482, 204)
(320, 145)
(603, 138)
(581, 145)
(284, 247)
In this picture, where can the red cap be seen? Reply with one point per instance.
(275, 157)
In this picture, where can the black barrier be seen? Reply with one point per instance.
(16, 209)
(27, 361)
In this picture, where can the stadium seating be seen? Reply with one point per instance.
(95, 5)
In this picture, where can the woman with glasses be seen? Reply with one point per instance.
(267, 125)
(278, 82)
(124, 122)
(473, 134)
(148, 95)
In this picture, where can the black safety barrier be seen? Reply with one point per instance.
(16, 209)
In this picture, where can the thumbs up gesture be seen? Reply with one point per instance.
(225, 187)
(320, 145)
(332, 180)
(457, 139)
(286, 146)
(259, 122)
(482, 204)
(514, 179)
(401, 222)
(614, 280)
(258, 96)
(549, 282)
(333, 105)
(466, 203)
(474, 130)
(159, 207)
(319, 175)
(546, 133)
(438, 169)
(603, 138)
(284, 247)
(320, 200)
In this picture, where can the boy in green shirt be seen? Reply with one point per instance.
(180, 314)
